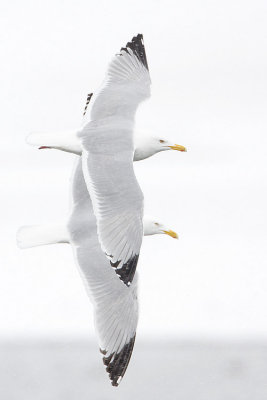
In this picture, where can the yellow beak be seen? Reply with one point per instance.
(178, 147)
(172, 234)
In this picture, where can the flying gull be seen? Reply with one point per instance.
(107, 151)
(115, 304)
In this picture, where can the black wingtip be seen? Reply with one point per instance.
(118, 366)
(127, 271)
(138, 48)
(87, 102)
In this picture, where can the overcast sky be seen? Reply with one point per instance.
(208, 67)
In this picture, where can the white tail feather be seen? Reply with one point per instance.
(39, 235)
(65, 141)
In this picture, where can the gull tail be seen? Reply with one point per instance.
(39, 235)
(65, 141)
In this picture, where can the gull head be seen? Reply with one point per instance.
(153, 227)
(146, 146)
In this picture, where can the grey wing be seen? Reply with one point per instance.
(115, 305)
(107, 155)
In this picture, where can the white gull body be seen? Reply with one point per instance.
(115, 304)
(145, 143)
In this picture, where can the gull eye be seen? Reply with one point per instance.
(156, 223)
(162, 141)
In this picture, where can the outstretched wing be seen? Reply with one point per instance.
(108, 149)
(115, 305)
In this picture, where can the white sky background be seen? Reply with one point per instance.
(208, 66)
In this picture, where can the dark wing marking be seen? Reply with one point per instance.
(87, 102)
(117, 363)
(127, 271)
(138, 48)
